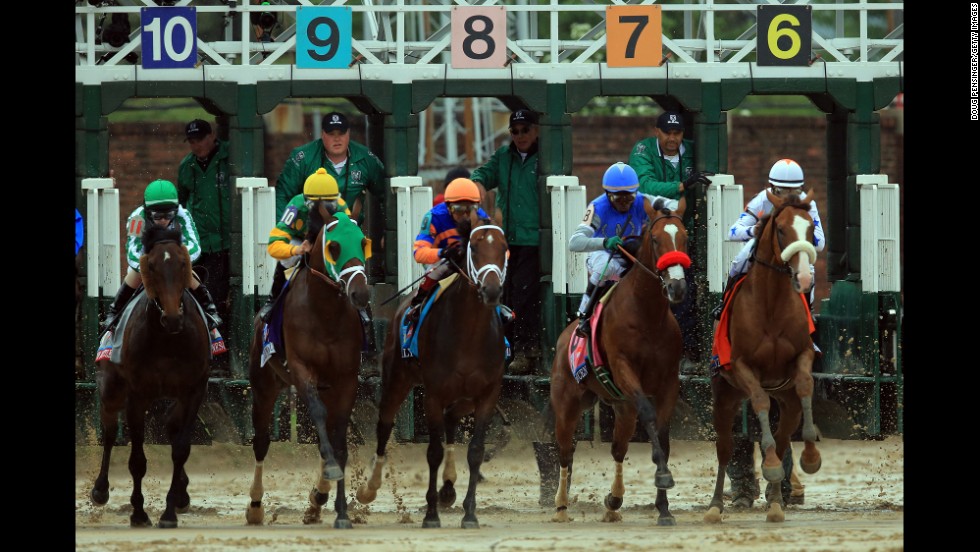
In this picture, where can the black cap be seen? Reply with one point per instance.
(670, 120)
(454, 173)
(198, 128)
(525, 116)
(334, 121)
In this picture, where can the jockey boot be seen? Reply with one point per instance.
(203, 297)
(369, 356)
(546, 455)
(716, 312)
(585, 309)
(278, 281)
(123, 295)
(421, 294)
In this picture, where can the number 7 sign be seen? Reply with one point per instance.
(633, 36)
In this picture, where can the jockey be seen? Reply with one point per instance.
(618, 212)
(438, 242)
(301, 220)
(785, 178)
(160, 207)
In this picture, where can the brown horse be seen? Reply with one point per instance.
(322, 337)
(461, 366)
(771, 350)
(641, 342)
(165, 354)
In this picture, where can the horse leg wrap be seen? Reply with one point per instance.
(449, 465)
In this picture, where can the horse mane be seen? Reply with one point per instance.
(792, 200)
(153, 233)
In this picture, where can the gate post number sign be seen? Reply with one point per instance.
(478, 37)
(783, 35)
(168, 37)
(634, 36)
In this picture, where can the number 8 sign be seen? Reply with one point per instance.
(479, 37)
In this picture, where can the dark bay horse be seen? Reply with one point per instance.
(640, 340)
(165, 354)
(771, 350)
(461, 366)
(322, 337)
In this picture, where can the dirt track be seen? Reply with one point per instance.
(855, 502)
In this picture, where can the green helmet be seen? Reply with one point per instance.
(160, 195)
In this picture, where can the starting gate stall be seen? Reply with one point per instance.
(392, 61)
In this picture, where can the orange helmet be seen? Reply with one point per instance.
(462, 189)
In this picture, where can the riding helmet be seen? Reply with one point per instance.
(620, 177)
(462, 189)
(320, 185)
(160, 195)
(786, 173)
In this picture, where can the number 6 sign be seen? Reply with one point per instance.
(479, 37)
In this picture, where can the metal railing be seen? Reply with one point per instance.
(408, 38)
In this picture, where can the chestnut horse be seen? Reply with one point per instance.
(322, 337)
(165, 354)
(771, 350)
(640, 340)
(461, 366)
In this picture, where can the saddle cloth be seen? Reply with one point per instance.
(111, 345)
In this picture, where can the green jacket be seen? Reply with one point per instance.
(364, 171)
(516, 182)
(657, 175)
(207, 195)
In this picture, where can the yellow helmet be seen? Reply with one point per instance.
(462, 189)
(320, 185)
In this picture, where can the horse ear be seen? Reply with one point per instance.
(681, 206)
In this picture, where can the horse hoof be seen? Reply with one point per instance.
(773, 474)
(332, 472)
(254, 514)
(775, 513)
(167, 524)
(811, 467)
(100, 498)
(666, 521)
(342, 524)
(612, 517)
(470, 524)
(366, 495)
(561, 516)
(664, 481)
(713, 515)
(311, 516)
(447, 495)
(431, 524)
(317, 498)
(139, 521)
(613, 502)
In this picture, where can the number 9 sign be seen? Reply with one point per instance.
(323, 37)
(168, 37)
(784, 35)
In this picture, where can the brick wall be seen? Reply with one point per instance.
(142, 152)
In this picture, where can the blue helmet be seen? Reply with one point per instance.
(620, 177)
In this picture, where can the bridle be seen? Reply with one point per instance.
(333, 278)
(478, 276)
(785, 253)
(674, 262)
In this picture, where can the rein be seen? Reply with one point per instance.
(787, 252)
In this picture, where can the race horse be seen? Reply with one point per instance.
(771, 350)
(165, 354)
(460, 363)
(321, 332)
(640, 342)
